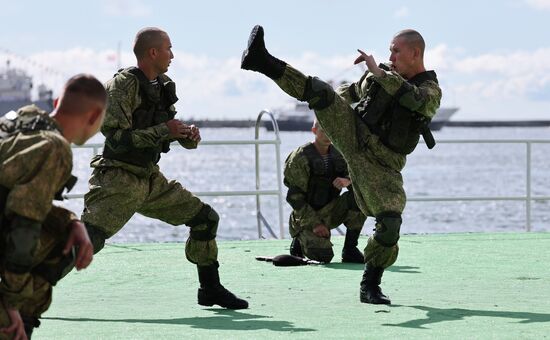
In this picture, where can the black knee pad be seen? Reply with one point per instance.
(97, 237)
(21, 243)
(204, 225)
(318, 94)
(387, 229)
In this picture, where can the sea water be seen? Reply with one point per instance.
(449, 170)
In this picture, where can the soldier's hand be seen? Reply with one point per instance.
(17, 328)
(178, 129)
(371, 63)
(195, 135)
(79, 237)
(321, 230)
(341, 182)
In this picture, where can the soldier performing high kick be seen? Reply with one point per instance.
(139, 126)
(395, 104)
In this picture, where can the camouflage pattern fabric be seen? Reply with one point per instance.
(118, 189)
(332, 215)
(33, 167)
(374, 169)
(302, 221)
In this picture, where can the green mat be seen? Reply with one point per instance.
(461, 286)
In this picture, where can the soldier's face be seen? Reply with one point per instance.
(163, 55)
(402, 57)
(320, 136)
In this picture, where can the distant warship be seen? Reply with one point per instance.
(300, 118)
(15, 91)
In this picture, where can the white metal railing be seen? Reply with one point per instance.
(96, 147)
(528, 198)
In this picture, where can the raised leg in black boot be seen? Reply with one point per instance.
(257, 58)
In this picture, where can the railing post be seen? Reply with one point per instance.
(257, 158)
(280, 186)
(528, 188)
(279, 176)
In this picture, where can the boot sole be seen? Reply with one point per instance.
(365, 300)
(208, 304)
(257, 31)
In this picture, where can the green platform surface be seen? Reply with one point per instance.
(460, 286)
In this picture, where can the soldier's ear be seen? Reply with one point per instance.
(153, 52)
(416, 52)
(95, 114)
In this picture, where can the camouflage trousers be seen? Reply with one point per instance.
(333, 214)
(33, 286)
(374, 169)
(117, 194)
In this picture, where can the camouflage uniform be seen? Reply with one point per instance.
(375, 170)
(118, 189)
(34, 166)
(298, 177)
(374, 137)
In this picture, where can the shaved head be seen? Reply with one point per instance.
(147, 38)
(413, 39)
(82, 93)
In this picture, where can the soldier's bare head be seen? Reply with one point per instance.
(81, 107)
(82, 93)
(147, 38)
(413, 39)
(153, 50)
(407, 53)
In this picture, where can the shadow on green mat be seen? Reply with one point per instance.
(404, 269)
(435, 315)
(225, 320)
(359, 266)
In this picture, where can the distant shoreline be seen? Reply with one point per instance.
(248, 123)
(499, 123)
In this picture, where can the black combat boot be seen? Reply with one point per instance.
(30, 323)
(370, 291)
(257, 58)
(211, 291)
(350, 253)
(296, 248)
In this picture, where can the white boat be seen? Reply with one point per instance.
(300, 118)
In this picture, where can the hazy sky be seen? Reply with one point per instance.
(492, 57)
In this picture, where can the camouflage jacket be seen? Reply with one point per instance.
(34, 166)
(424, 99)
(124, 99)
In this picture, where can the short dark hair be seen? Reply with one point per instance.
(413, 39)
(81, 92)
(147, 38)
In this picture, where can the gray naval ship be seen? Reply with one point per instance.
(15, 91)
(300, 118)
